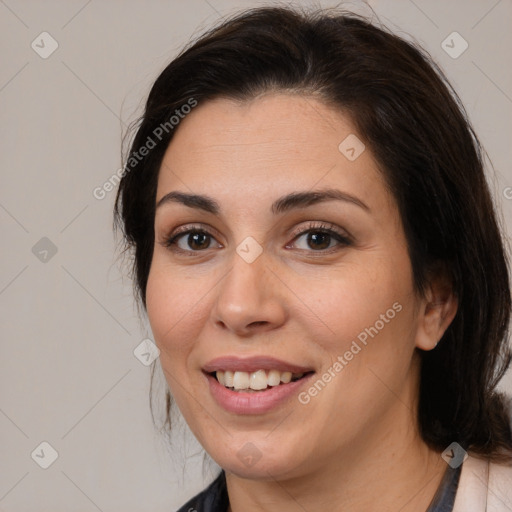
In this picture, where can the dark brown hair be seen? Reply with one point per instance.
(408, 114)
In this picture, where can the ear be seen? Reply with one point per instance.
(437, 309)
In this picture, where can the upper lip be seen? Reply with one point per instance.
(252, 364)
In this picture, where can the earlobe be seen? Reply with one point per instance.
(438, 309)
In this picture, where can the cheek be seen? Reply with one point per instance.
(355, 297)
(370, 321)
(368, 349)
(172, 309)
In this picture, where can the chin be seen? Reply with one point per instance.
(268, 463)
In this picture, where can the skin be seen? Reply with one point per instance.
(355, 446)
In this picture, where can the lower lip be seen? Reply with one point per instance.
(258, 402)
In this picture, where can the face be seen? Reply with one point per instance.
(248, 281)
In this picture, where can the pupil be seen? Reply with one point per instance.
(322, 236)
(197, 236)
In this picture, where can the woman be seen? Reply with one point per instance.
(318, 255)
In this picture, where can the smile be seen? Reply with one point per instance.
(254, 385)
(255, 381)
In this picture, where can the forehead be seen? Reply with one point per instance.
(277, 125)
(276, 141)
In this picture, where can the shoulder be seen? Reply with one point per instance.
(484, 486)
(500, 487)
(212, 499)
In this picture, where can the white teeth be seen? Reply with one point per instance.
(256, 381)
(286, 377)
(228, 379)
(274, 378)
(241, 380)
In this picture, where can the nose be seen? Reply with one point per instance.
(250, 298)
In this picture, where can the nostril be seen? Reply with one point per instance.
(258, 323)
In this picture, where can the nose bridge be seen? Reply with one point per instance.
(248, 294)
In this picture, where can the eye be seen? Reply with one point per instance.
(189, 240)
(320, 236)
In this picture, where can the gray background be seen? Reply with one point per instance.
(68, 374)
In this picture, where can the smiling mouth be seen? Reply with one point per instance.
(253, 382)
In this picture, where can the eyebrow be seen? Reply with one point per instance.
(281, 205)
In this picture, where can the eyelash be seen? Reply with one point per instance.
(328, 229)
